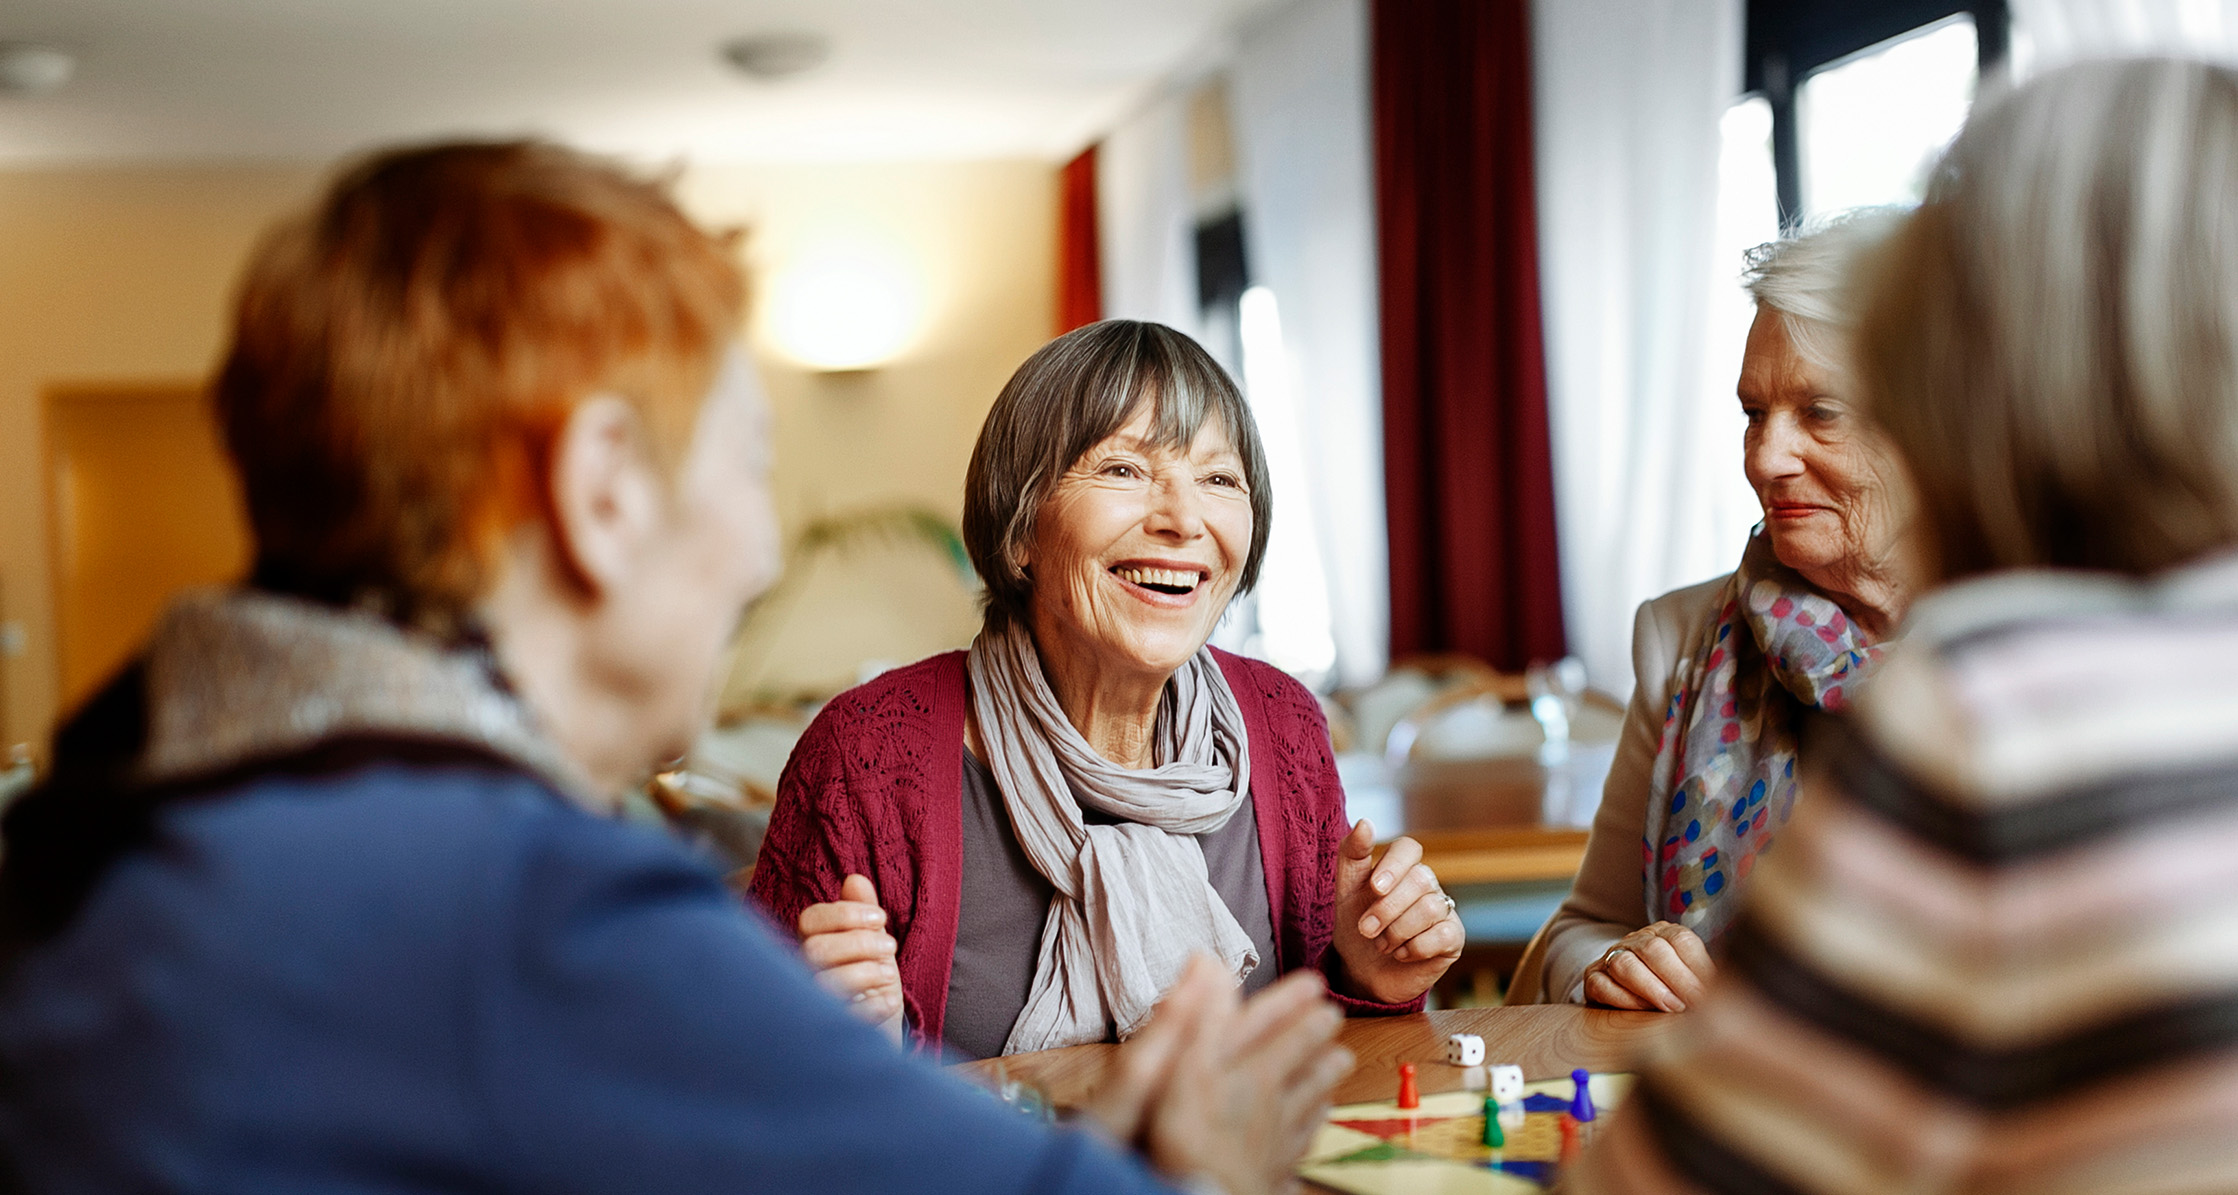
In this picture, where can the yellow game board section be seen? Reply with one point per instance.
(1437, 1148)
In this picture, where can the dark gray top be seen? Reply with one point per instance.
(1005, 901)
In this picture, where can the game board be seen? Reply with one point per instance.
(1437, 1149)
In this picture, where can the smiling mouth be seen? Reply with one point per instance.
(1170, 581)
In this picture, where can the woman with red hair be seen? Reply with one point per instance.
(325, 892)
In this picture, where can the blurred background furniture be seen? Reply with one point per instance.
(1498, 776)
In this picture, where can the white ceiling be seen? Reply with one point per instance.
(175, 80)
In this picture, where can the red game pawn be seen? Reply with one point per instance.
(1408, 1096)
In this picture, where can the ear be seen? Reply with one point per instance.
(606, 498)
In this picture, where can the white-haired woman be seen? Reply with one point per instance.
(1990, 955)
(1705, 768)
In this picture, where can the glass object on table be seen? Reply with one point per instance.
(1557, 694)
(1022, 1097)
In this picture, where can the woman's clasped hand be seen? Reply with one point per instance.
(1661, 968)
(1397, 931)
(846, 942)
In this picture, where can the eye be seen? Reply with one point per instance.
(1120, 469)
(1755, 415)
(1229, 480)
(1825, 413)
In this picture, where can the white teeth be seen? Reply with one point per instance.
(1170, 578)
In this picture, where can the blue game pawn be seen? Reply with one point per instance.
(1581, 1104)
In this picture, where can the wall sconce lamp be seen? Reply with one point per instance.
(843, 307)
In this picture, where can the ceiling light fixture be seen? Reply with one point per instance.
(27, 68)
(771, 57)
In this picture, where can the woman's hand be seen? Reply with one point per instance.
(1217, 1088)
(1395, 929)
(1663, 968)
(846, 942)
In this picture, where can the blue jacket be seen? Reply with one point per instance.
(427, 974)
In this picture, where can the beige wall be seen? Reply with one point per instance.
(123, 275)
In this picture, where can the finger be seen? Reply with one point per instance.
(1148, 1057)
(840, 915)
(1272, 1010)
(1417, 916)
(1402, 854)
(855, 979)
(878, 1005)
(852, 946)
(1600, 989)
(1691, 949)
(859, 889)
(1291, 1036)
(1442, 938)
(1663, 959)
(1627, 969)
(1307, 1096)
(1413, 884)
(1355, 857)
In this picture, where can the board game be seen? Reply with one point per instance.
(1438, 1148)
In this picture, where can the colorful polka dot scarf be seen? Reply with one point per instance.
(1724, 775)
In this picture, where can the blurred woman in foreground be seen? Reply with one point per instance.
(1992, 953)
(326, 894)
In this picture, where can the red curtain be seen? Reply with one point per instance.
(1468, 465)
(1079, 256)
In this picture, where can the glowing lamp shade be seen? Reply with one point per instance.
(843, 308)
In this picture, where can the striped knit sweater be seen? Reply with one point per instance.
(1997, 948)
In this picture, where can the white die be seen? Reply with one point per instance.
(1507, 1084)
(1464, 1049)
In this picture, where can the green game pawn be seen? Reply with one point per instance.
(1493, 1137)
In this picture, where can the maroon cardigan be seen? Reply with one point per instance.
(876, 787)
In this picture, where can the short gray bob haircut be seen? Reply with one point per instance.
(1809, 278)
(1071, 394)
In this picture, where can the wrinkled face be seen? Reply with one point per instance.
(1137, 550)
(1826, 479)
(716, 550)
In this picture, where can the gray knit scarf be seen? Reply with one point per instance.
(1133, 899)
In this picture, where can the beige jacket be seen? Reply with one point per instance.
(1608, 899)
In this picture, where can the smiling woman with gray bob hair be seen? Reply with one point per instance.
(1069, 397)
(1018, 847)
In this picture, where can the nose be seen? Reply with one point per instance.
(1176, 509)
(1774, 452)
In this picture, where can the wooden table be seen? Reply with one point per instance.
(1546, 1040)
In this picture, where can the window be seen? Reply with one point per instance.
(1873, 124)
(1863, 96)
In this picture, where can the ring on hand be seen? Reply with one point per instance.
(1609, 958)
(1450, 907)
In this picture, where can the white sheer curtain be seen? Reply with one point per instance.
(1630, 95)
(1146, 224)
(2047, 33)
(1300, 108)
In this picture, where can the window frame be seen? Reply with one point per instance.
(1790, 40)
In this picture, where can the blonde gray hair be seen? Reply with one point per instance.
(1807, 278)
(2052, 340)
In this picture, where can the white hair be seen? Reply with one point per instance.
(1807, 277)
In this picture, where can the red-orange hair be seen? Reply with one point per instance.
(405, 353)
